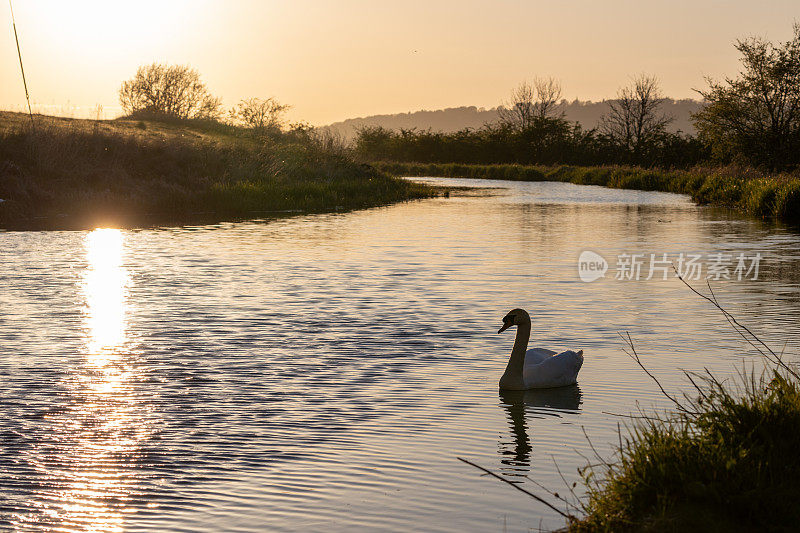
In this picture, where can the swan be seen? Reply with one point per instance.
(537, 368)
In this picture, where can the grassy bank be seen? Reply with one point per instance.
(724, 461)
(771, 196)
(70, 173)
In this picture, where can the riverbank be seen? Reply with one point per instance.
(723, 461)
(76, 174)
(774, 196)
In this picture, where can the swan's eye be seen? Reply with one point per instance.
(509, 318)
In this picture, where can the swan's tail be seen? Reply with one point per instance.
(580, 353)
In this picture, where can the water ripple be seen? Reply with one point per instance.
(324, 371)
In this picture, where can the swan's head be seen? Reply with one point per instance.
(515, 317)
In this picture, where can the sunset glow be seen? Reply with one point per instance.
(358, 265)
(337, 60)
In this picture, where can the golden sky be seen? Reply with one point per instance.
(333, 60)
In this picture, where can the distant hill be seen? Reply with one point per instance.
(456, 118)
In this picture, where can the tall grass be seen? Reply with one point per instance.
(758, 194)
(70, 173)
(725, 460)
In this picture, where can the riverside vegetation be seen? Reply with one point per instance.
(725, 462)
(723, 459)
(175, 158)
(155, 169)
(758, 193)
(746, 153)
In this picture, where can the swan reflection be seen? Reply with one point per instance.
(515, 456)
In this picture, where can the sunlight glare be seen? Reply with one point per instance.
(111, 32)
(105, 285)
(97, 473)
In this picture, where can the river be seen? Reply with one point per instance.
(326, 371)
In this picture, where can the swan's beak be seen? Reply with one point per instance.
(506, 325)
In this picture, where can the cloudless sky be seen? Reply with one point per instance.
(333, 60)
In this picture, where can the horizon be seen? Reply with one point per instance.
(354, 60)
(561, 102)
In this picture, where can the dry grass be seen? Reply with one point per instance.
(70, 173)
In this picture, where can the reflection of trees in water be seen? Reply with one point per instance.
(515, 455)
(673, 229)
(783, 273)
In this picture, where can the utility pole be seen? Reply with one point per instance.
(21, 68)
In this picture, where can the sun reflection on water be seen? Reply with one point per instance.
(102, 430)
(105, 285)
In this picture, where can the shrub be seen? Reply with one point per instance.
(258, 114)
(169, 90)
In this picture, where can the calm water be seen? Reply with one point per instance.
(325, 371)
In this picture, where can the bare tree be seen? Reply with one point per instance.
(266, 114)
(634, 119)
(531, 101)
(518, 113)
(170, 90)
(548, 94)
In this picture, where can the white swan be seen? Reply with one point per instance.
(537, 368)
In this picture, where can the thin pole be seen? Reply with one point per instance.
(21, 68)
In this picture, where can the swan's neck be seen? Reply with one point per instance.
(513, 371)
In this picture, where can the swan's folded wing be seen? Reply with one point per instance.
(556, 371)
(534, 356)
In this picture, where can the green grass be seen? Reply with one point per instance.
(71, 173)
(769, 196)
(728, 462)
(724, 458)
